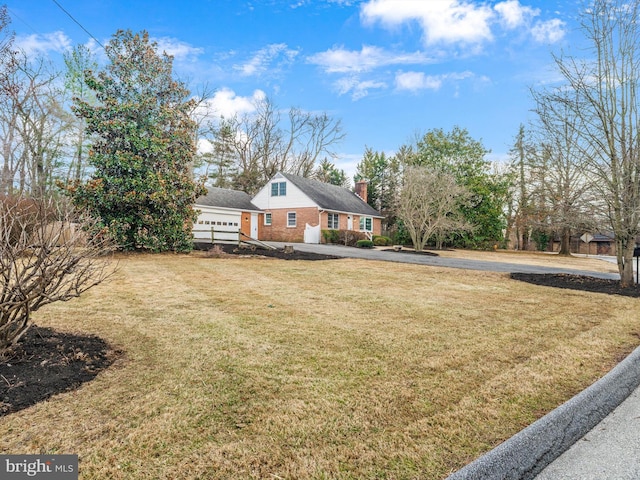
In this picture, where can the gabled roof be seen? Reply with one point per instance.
(332, 197)
(226, 198)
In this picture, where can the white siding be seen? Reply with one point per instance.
(294, 198)
(225, 223)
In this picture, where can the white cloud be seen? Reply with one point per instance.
(43, 43)
(277, 53)
(513, 15)
(204, 146)
(226, 103)
(550, 31)
(415, 81)
(358, 88)
(180, 50)
(442, 21)
(461, 22)
(340, 60)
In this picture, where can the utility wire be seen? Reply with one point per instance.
(15, 15)
(76, 21)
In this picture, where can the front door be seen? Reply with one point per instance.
(254, 226)
(349, 222)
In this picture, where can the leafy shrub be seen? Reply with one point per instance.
(364, 244)
(343, 237)
(381, 241)
(350, 238)
(401, 234)
(331, 236)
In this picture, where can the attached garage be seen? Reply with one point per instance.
(217, 224)
(223, 214)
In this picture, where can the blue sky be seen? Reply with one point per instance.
(388, 69)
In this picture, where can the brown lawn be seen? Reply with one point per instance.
(341, 369)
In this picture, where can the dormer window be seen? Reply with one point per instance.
(279, 189)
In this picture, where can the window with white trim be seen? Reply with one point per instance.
(279, 189)
(366, 224)
(291, 219)
(333, 221)
(267, 219)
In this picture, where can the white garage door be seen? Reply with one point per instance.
(225, 226)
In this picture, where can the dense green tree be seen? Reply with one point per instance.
(383, 176)
(457, 153)
(142, 149)
(221, 162)
(327, 172)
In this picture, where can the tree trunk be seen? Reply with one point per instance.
(565, 241)
(625, 263)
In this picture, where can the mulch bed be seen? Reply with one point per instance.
(46, 362)
(578, 282)
(230, 249)
(413, 252)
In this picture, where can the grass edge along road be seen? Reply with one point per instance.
(258, 368)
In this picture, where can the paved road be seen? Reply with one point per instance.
(468, 264)
(609, 451)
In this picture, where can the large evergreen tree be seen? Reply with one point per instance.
(383, 175)
(144, 142)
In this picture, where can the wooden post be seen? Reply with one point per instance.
(212, 236)
(239, 238)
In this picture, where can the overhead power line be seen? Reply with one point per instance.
(77, 22)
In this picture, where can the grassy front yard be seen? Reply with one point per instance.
(345, 369)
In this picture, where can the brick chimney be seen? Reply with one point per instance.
(361, 189)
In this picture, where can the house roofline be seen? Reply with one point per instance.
(231, 209)
(349, 213)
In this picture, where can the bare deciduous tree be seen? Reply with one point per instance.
(562, 190)
(430, 203)
(264, 143)
(33, 125)
(47, 254)
(604, 105)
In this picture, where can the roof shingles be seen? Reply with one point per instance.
(332, 197)
(225, 198)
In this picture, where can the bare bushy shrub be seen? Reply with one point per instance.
(48, 253)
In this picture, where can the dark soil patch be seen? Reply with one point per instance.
(413, 252)
(230, 249)
(578, 282)
(46, 362)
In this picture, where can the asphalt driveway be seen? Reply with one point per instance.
(435, 261)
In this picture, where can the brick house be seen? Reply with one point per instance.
(296, 209)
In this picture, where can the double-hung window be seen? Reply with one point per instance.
(366, 224)
(333, 221)
(291, 219)
(267, 219)
(279, 189)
